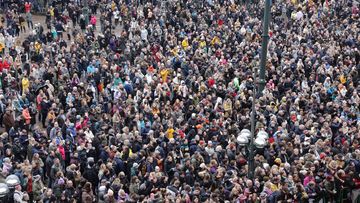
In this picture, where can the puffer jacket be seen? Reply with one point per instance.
(37, 189)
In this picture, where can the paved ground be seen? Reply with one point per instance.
(36, 19)
(41, 19)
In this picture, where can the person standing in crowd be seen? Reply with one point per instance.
(87, 193)
(149, 107)
(22, 23)
(19, 196)
(93, 21)
(28, 15)
(45, 107)
(8, 119)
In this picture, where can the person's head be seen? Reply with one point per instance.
(18, 187)
(69, 184)
(49, 192)
(87, 186)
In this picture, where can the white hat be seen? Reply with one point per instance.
(135, 165)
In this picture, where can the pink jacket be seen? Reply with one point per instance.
(307, 180)
(93, 20)
(6, 168)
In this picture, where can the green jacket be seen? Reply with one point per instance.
(37, 190)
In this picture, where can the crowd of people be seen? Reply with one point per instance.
(142, 101)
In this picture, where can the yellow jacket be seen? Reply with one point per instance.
(342, 79)
(51, 12)
(37, 46)
(215, 40)
(164, 74)
(185, 43)
(202, 44)
(2, 46)
(170, 133)
(25, 84)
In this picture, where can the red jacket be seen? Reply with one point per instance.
(4, 64)
(29, 188)
(62, 151)
(211, 82)
(357, 182)
(27, 7)
(81, 125)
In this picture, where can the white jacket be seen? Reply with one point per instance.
(18, 197)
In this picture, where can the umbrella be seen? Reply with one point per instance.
(40, 87)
